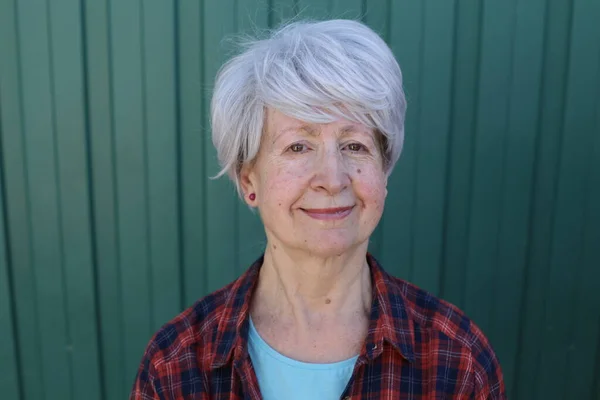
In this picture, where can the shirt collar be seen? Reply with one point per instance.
(389, 319)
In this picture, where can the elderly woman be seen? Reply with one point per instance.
(309, 123)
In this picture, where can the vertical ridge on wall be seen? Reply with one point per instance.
(596, 190)
(406, 34)
(68, 118)
(127, 86)
(193, 171)
(567, 262)
(145, 181)
(10, 381)
(460, 149)
(90, 201)
(161, 159)
(596, 385)
(584, 333)
(486, 200)
(518, 167)
(218, 22)
(16, 226)
(59, 228)
(532, 321)
(377, 15)
(585, 147)
(41, 172)
(427, 234)
(178, 152)
(101, 142)
(18, 216)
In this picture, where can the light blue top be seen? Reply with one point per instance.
(280, 377)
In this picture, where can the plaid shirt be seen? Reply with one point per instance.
(417, 347)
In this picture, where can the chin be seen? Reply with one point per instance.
(329, 246)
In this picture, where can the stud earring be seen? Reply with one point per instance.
(252, 196)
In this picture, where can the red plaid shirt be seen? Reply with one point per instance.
(417, 347)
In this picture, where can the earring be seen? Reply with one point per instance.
(252, 196)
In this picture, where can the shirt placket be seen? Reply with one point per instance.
(245, 373)
(350, 391)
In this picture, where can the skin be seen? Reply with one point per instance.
(313, 297)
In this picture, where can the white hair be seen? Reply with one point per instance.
(313, 71)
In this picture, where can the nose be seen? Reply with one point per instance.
(331, 173)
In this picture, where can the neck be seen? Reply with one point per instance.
(302, 288)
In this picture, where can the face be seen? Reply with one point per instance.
(320, 188)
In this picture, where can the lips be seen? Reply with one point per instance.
(336, 213)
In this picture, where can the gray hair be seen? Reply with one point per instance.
(313, 71)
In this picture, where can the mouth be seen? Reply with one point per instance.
(336, 213)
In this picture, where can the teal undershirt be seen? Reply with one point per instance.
(280, 377)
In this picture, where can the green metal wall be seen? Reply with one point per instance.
(109, 224)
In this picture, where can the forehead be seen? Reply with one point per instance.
(278, 123)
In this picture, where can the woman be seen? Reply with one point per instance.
(309, 124)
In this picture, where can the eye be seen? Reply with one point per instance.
(356, 147)
(297, 148)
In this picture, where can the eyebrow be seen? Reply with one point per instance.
(351, 129)
(345, 130)
(311, 131)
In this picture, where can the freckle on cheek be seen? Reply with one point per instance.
(358, 170)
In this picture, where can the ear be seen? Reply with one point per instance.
(248, 182)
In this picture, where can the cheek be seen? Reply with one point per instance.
(281, 183)
(370, 187)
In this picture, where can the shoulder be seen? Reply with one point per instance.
(165, 365)
(180, 353)
(432, 313)
(194, 327)
(442, 319)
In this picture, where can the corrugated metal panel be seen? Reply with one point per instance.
(110, 226)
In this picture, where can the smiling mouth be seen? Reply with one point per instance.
(336, 213)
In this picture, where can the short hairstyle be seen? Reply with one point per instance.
(313, 71)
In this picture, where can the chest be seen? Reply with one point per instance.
(328, 347)
(322, 343)
(388, 376)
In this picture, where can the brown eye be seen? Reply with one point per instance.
(355, 147)
(297, 148)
